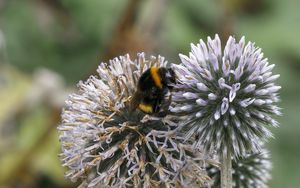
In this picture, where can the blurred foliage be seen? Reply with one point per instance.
(71, 37)
(65, 36)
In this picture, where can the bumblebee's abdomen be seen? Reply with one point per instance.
(147, 108)
(150, 105)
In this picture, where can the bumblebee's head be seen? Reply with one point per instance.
(171, 76)
(168, 76)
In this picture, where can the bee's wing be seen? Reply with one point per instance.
(135, 101)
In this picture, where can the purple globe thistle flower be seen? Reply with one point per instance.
(226, 98)
(251, 171)
(105, 144)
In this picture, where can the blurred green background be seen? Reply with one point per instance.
(47, 46)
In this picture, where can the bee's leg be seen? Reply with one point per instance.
(164, 106)
(156, 105)
(161, 114)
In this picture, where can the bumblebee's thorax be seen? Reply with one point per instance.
(155, 74)
(149, 79)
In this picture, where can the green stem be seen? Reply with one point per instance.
(226, 171)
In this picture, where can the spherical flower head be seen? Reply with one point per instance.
(226, 98)
(251, 171)
(103, 144)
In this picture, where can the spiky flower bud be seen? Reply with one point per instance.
(251, 171)
(226, 97)
(105, 144)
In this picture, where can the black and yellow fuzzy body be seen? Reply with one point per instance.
(153, 90)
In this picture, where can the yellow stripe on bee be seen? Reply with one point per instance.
(145, 108)
(156, 77)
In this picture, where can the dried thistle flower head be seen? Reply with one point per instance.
(251, 171)
(226, 97)
(105, 144)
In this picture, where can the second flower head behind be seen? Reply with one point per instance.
(226, 98)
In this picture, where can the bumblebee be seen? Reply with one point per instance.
(153, 93)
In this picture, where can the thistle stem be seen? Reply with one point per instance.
(226, 171)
